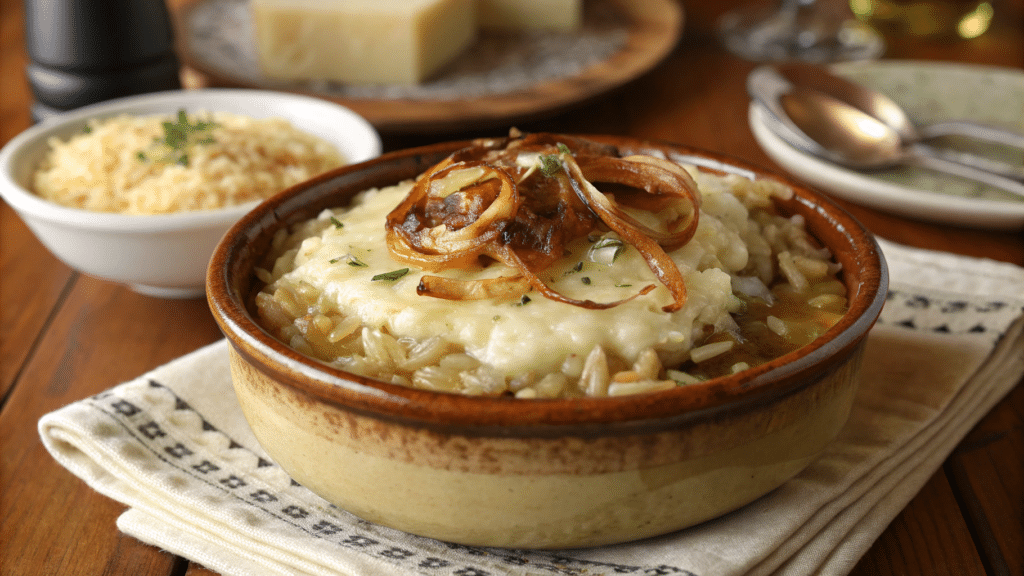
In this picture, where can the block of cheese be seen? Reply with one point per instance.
(565, 15)
(361, 41)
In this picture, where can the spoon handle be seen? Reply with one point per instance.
(973, 130)
(1014, 171)
(918, 155)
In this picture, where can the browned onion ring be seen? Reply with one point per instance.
(442, 246)
(424, 230)
(452, 289)
(631, 231)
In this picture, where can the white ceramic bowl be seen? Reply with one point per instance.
(165, 254)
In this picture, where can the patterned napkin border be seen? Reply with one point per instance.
(203, 466)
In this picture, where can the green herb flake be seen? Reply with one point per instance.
(337, 223)
(564, 149)
(550, 164)
(177, 138)
(623, 285)
(585, 280)
(577, 268)
(357, 263)
(391, 276)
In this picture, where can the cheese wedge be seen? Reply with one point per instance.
(564, 15)
(361, 41)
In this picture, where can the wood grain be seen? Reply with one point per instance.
(32, 277)
(912, 545)
(52, 522)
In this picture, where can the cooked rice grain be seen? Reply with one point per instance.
(249, 159)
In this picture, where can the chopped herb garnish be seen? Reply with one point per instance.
(391, 276)
(564, 149)
(337, 223)
(550, 164)
(623, 285)
(577, 268)
(350, 260)
(178, 137)
(585, 280)
(87, 129)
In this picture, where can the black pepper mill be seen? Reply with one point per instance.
(86, 51)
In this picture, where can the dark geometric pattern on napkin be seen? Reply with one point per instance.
(940, 313)
(134, 408)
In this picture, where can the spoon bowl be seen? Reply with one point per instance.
(886, 110)
(859, 139)
(829, 128)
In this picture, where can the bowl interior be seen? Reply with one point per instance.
(230, 284)
(354, 137)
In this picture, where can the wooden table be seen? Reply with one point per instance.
(64, 336)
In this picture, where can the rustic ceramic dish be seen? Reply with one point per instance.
(539, 473)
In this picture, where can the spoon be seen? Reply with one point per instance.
(831, 129)
(888, 111)
(884, 109)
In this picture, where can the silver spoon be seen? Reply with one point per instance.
(884, 109)
(831, 129)
(888, 111)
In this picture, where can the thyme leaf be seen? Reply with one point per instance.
(390, 276)
(178, 137)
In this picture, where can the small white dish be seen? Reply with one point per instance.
(930, 92)
(162, 255)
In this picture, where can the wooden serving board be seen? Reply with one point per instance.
(506, 77)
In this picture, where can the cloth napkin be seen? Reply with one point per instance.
(174, 447)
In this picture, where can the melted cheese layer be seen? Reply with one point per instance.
(515, 337)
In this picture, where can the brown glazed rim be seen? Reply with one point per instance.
(230, 279)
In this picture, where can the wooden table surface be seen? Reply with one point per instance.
(65, 336)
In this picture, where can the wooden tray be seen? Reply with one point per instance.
(505, 78)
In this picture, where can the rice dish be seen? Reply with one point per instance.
(756, 286)
(158, 165)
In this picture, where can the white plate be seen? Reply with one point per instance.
(930, 91)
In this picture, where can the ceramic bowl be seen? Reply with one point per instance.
(497, 471)
(165, 254)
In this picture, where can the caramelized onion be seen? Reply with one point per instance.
(451, 289)
(481, 203)
(452, 216)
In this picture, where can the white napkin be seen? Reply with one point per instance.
(173, 445)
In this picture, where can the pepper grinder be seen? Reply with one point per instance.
(86, 51)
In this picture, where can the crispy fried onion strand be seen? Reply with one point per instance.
(480, 204)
